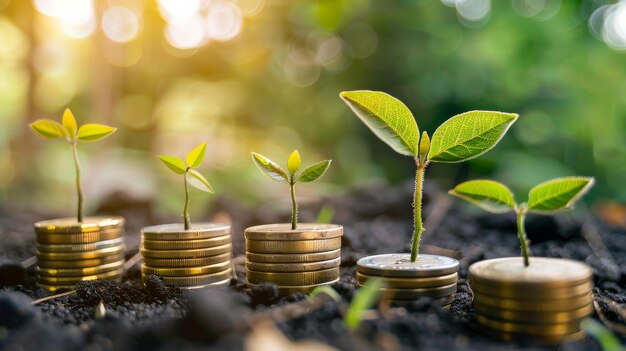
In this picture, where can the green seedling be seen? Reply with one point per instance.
(68, 129)
(325, 215)
(607, 340)
(324, 289)
(276, 172)
(548, 197)
(460, 138)
(187, 168)
(363, 300)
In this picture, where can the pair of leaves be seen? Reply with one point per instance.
(462, 137)
(547, 197)
(194, 159)
(276, 172)
(68, 129)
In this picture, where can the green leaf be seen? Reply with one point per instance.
(424, 146)
(313, 172)
(325, 215)
(270, 167)
(174, 163)
(486, 194)
(48, 129)
(364, 298)
(607, 340)
(324, 289)
(558, 194)
(293, 162)
(195, 156)
(387, 117)
(69, 122)
(202, 183)
(94, 132)
(469, 135)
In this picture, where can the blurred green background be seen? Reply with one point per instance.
(264, 75)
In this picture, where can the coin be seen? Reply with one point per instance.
(55, 288)
(70, 225)
(291, 289)
(443, 301)
(400, 265)
(185, 244)
(80, 238)
(304, 231)
(80, 247)
(57, 264)
(293, 267)
(533, 317)
(197, 287)
(186, 262)
(297, 246)
(175, 272)
(193, 280)
(543, 305)
(177, 231)
(532, 329)
(293, 258)
(546, 339)
(73, 280)
(74, 272)
(412, 294)
(299, 278)
(532, 292)
(402, 283)
(80, 255)
(209, 251)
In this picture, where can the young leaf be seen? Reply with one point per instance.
(195, 156)
(293, 162)
(313, 172)
(486, 194)
(325, 215)
(364, 298)
(324, 289)
(94, 132)
(387, 117)
(270, 168)
(48, 129)
(69, 122)
(469, 135)
(174, 163)
(202, 183)
(424, 146)
(558, 194)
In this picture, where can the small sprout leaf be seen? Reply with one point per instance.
(269, 167)
(387, 117)
(469, 135)
(364, 298)
(69, 122)
(196, 156)
(174, 163)
(94, 132)
(558, 194)
(325, 289)
(48, 129)
(607, 340)
(313, 172)
(202, 183)
(325, 215)
(424, 146)
(486, 194)
(294, 161)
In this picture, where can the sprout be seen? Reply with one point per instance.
(363, 299)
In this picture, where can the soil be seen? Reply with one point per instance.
(376, 220)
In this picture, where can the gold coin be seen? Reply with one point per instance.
(56, 264)
(194, 253)
(186, 262)
(80, 238)
(401, 266)
(73, 280)
(304, 231)
(293, 258)
(443, 301)
(197, 287)
(80, 247)
(293, 267)
(533, 317)
(545, 305)
(185, 244)
(546, 339)
(412, 294)
(55, 288)
(75, 272)
(289, 290)
(289, 279)
(177, 231)
(411, 283)
(80, 255)
(175, 272)
(530, 293)
(70, 225)
(534, 329)
(296, 246)
(196, 280)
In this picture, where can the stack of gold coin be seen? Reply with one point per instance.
(429, 276)
(192, 258)
(295, 260)
(69, 252)
(545, 301)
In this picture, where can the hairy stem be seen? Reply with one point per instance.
(521, 234)
(417, 207)
(79, 189)
(294, 210)
(186, 208)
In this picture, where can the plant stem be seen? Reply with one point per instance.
(521, 234)
(294, 210)
(417, 207)
(79, 190)
(186, 208)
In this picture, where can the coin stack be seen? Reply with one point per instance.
(429, 276)
(192, 258)
(545, 301)
(295, 260)
(69, 252)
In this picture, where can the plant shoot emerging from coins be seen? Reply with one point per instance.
(293, 176)
(548, 197)
(68, 129)
(460, 138)
(186, 168)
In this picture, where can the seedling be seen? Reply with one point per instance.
(187, 167)
(548, 197)
(274, 171)
(364, 299)
(68, 129)
(460, 138)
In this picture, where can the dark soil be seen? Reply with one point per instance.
(155, 317)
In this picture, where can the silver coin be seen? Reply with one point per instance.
(400, 265)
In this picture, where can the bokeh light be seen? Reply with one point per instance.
(120, 24)
(186, 35)
(223, 21)
(177, 11)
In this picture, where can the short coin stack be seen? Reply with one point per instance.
(69, 252)
(295, 260)
(545, 301)
(193, 258)
(429, 276)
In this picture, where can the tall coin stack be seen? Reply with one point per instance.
(545, 301)
(429, 276)
(193, 258)
(295, 260)
(69, 252)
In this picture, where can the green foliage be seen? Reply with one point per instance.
(269, 167)
(558, 194)
(325, 215)
(177, 165)
(324, 289)
(363, 299)
(487, 194)
(605, 337)
(314, 171)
